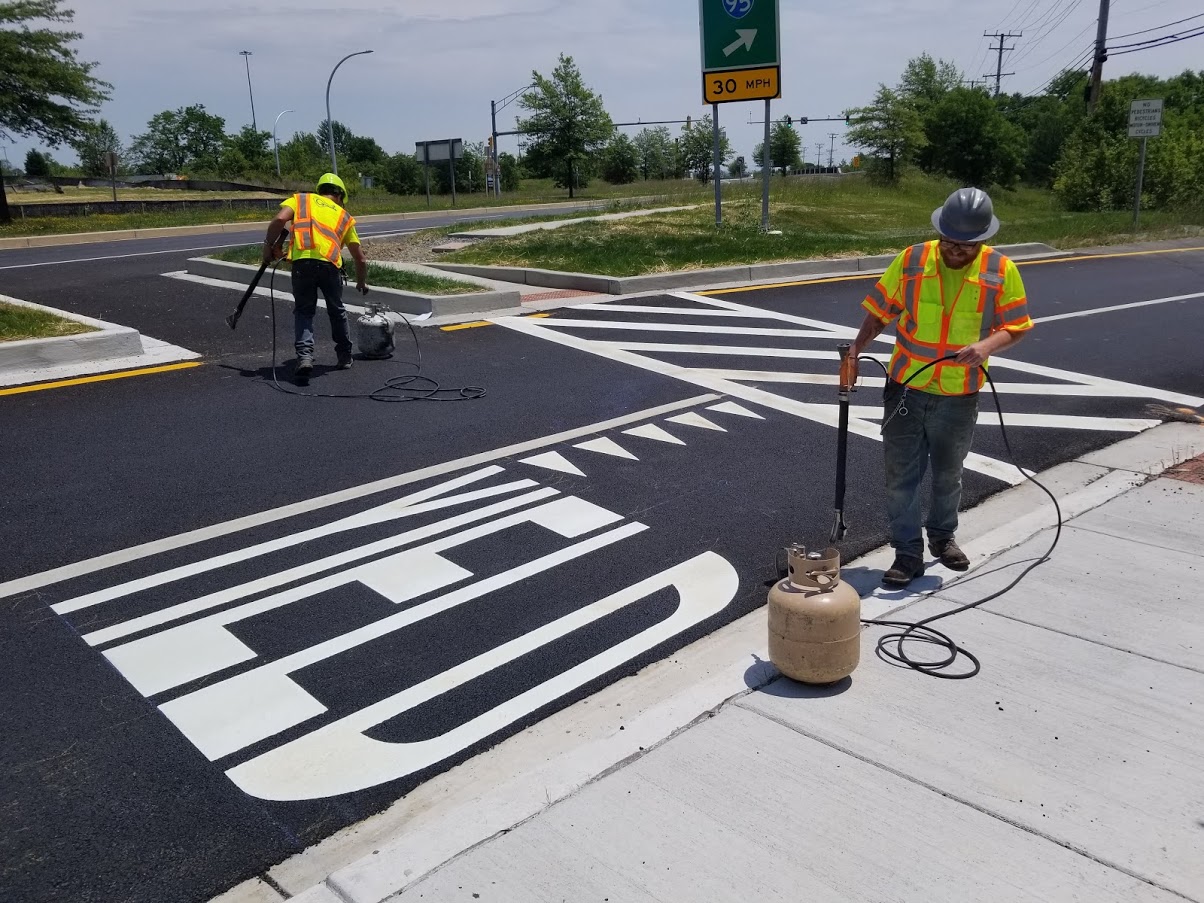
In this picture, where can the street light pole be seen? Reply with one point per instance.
(275, 143)
(334, 165)
(246, 55)
(494, 106)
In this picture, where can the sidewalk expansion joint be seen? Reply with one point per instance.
(271, 882)
(970, 804)
(1131, 541)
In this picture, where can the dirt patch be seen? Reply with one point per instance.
(1189, 471)
(416, 248)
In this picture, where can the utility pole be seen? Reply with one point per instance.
(831, 149)
(999, 73)
(819, 154)
(1101, 54)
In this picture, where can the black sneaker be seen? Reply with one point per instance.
(950, 554)
(905, 569)
(305, 366)
(345, 361)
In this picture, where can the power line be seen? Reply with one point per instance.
(1061, 49)
(999, 73)
(1133, 34)
(1078, 61)
(1150, 45)
(1047, 31)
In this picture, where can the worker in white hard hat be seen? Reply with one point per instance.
(321, 229)
(953, 297)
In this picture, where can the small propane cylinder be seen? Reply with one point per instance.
(814, 620)
(374, 333)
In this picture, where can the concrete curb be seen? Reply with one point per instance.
(108, 342)
(760, 272)
(83, 238)
(404, 302)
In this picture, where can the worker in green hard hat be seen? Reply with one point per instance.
(321, 229)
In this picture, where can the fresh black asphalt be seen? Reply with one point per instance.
(104, 799)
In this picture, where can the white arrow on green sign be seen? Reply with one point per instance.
(739, 34)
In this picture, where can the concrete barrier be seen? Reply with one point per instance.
(108, 341)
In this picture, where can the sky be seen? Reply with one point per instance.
(436, 66)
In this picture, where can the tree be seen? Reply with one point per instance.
(303, 157)
(620, 161)
(181, 139)
(252, 148)
(403, 175)
(698, 148)
(738, 168)
(343, 137)
(970, 140)
(97, 140)
(568, 123)
(363, 150)
(37, 165)
(890, 130)
(926, 81)
(511, 172)
(654, 148)
(45, 89)
(785, 148)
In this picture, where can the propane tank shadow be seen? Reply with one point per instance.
(763, 677)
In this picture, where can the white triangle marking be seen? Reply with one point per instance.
(553, 461)
(606, 446)
(697, 420)
(730, 407)
(652, 431)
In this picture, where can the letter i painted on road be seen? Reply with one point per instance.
(741, 50)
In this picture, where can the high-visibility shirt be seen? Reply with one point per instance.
(320, 228)
(940, 311)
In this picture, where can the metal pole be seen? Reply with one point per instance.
(451, 154)
(334, 164)
(1097, 67)
(426, 169)
(246, 55)
(766, 163)
(112, 161)
(1140, 179)
(275, 143)
(832, 150)
(497, 174)
(718, 163)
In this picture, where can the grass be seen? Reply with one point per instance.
(150, 195)
(819, 217)
(18, 323)
(380, 276)
(364, 202)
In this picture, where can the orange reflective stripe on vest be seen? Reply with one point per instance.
(927, 331)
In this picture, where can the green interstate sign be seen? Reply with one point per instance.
(739, 34)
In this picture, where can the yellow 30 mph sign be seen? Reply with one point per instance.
(742, 84)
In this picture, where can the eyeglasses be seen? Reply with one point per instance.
(960, 245)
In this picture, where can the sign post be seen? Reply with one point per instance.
(111, 166)
(449, 149)
(1145, 122)
(741, 60)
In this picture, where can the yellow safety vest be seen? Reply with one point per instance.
(320, 227)
(926, 332)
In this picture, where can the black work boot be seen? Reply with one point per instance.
(345, 361)
(950, 554)
(905, 569)
(305, 366)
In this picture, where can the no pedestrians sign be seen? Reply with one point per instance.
(1145, 119)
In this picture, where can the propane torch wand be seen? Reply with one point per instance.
(847, 362)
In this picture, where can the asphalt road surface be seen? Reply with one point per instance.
(235, 621)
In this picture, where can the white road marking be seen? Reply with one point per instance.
(730, 407)
(1105, 310)
(314, 767)
(309, 569)
(554, 461)
(182, 540)
(672, 311)
(566, 323)
(655, 433)
(403, 507)
(53, 263)
(697, 420)
(606, 446)
(225, 717)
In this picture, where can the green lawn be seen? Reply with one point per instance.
(818, 218)
(363, 202)
(18, 323)
(382, 276)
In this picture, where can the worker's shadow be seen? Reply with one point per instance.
(284, 373)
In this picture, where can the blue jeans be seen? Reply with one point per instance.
(308, 277)
(939, 428)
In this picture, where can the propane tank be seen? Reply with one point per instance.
(814, 620)
(374, 333)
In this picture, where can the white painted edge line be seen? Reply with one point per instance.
(449, 815)
(112, 559)
(1115, 307)
(259, 292)
(53, 263)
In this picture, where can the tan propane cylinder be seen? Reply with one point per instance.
(814, 620)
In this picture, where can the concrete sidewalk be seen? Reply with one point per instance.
(1070, 769)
